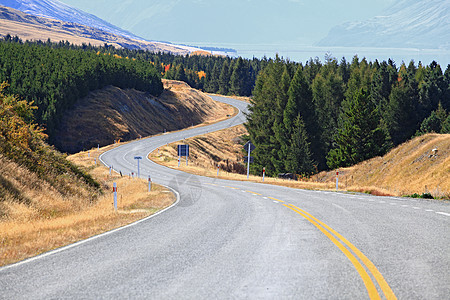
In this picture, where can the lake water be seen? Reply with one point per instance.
(301, 53)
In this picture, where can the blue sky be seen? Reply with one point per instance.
(198, 22)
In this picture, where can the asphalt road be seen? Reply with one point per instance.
(231, 239)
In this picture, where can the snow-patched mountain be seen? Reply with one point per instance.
(421, 24)
(57, 10)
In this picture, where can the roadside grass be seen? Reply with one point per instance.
(48, 221)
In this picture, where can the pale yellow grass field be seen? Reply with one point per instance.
(50, 221)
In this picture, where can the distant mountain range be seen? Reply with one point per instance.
(60, 11)
(421, 24)
(43, 19)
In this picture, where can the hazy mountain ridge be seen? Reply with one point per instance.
(406, 24)
(32, 27)
(57, 10)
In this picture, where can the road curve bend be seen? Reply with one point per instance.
(233, 239)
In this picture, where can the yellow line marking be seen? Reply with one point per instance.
(232, 187)
(211, 184)
(276, 199)
(253, 193)
(370, 286)
(372, 268)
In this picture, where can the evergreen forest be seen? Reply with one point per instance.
(304, 117)
(312, 117)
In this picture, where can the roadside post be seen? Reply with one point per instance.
(149, 183)
(89, 153)
(249, 147)
(110, 170)
(138, 158)
(264, 173)
(337, 180)
(218, 167)
(95, 161)
(115, 195)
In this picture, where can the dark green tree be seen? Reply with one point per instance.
(360, 135)
(298, 159)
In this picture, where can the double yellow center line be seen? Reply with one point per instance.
(339, 241)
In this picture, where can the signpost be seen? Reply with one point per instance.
(138, 158)
(115, 195)
(337, 179)
(264, 173)
(183, 150)
(249, 147)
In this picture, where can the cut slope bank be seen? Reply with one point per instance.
(111, 114)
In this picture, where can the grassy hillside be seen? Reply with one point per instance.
(111, 114)
(407, 169)
(48, 200)
(33, 28)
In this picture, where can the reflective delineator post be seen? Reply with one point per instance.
(248, 162)
(218, 167)
(89, 153)
(115, 195)
(149, 183)
(337, 180)
(110, 170)
(178, 161)
(264, 173)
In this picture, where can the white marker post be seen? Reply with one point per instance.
(149, 183)
(115, 195)
(138, 158)
(95, 161)
(89, 153)
(110, 170)
(186, 160)
(264, 173)
(248, 162)
(178, 161)
(337, 180)
(218, 167)
(98, 147)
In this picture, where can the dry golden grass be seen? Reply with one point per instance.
(405, 170)
(410, 168)
(50, 221)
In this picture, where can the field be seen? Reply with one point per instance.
(51, 221)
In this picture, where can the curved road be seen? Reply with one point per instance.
(232, 239)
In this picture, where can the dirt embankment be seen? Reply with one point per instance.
(111, 114)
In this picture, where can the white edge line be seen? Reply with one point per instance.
(443, 213)
(64, 248)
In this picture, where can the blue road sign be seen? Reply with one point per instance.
(183, 150)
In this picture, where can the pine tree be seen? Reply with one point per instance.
(224, 79)
(360, 135)
(238, 82)
(298, 160)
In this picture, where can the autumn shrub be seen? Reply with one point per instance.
(23, 142)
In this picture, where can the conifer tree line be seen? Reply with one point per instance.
(55, 75)
(312, 117)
